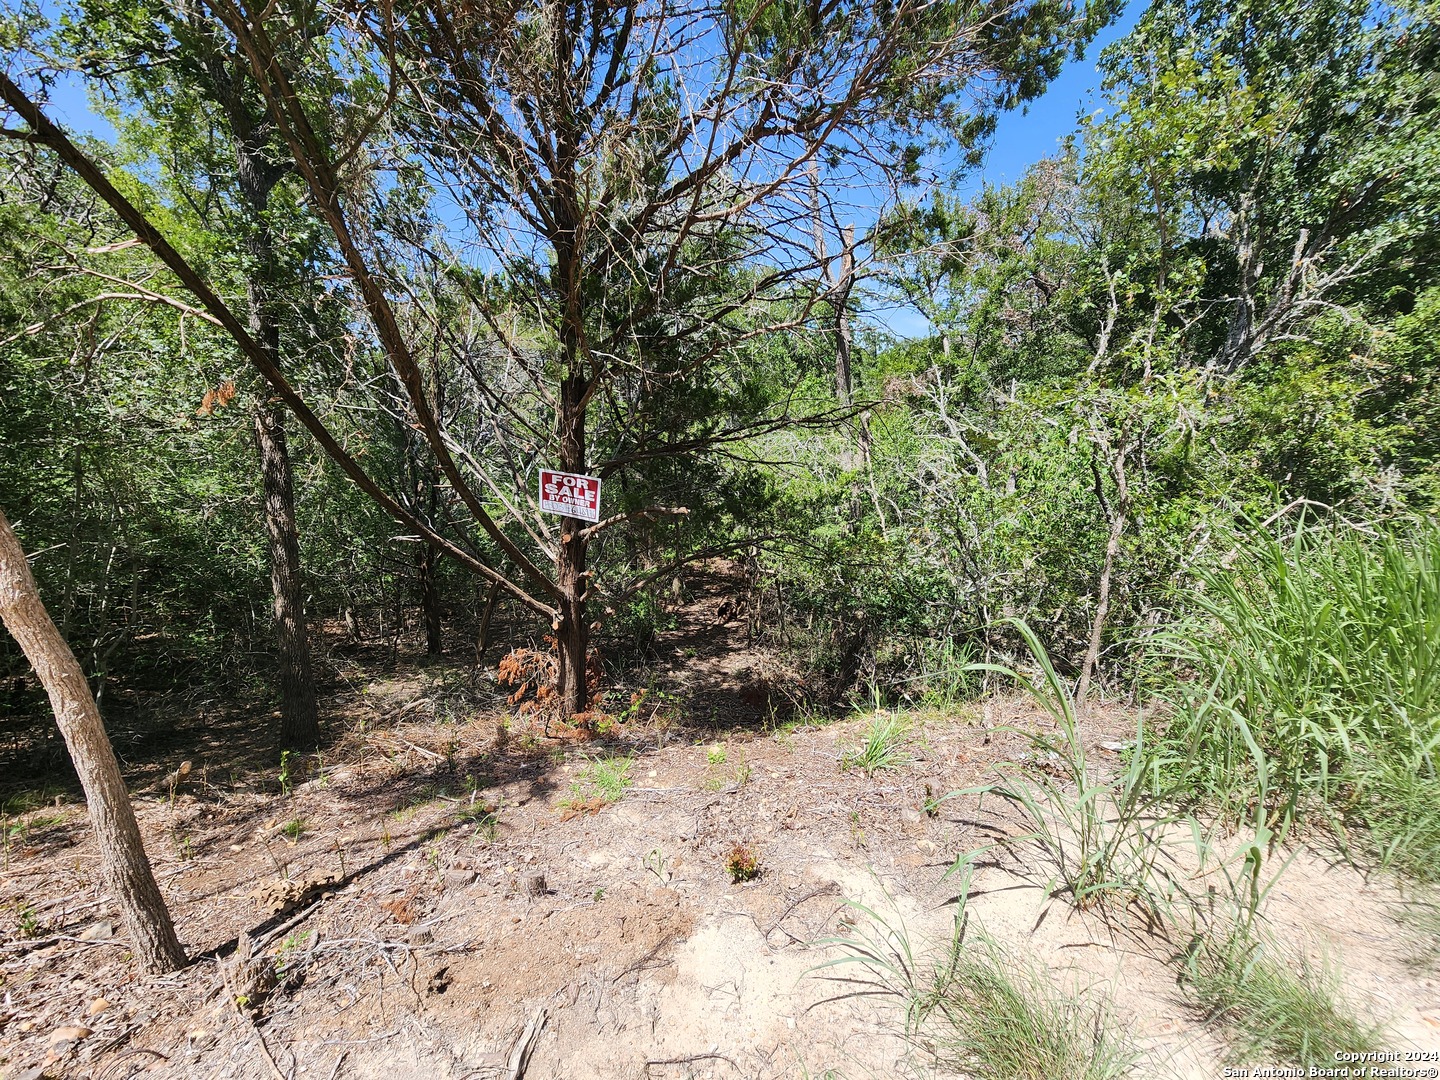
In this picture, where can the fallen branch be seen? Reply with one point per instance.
(525, 1045)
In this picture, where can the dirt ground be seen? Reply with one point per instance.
(431, 898)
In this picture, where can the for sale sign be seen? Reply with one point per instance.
(570, 494)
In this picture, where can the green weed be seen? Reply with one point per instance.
(610, 775)
(948, 674)
(742, 863)
(22, 802)
(1275, 1004)
(980, 1010)
(1316, 688)
(27, 919)
(288, 957)
(1103, 835)
(603, 780)
(881, 746)
(994, 1014)
(287, 772)
(484, 817)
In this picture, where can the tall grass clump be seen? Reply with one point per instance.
(1101, 831)
(995, 1014)
(978, 1008)
(1275, 1004)
(882, 746)
(1313, 667)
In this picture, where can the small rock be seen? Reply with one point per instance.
(70, 1033)
(926, 846)
(200, 1039)
(25, 1025)
(910, 816)
(100, 931)
(421, 936)
(98, 1006)
(237, 848)
(459, 879)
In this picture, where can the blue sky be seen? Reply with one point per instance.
(1025, 136)
(1022, 137)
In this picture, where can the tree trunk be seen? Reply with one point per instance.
(256, 177)
(123, 863)
(843, 340)
(482, 637)
(571, 632)
(427, 559)
(299, 714)
(430, 600)
(1120, 514)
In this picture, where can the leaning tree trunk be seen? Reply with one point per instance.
(299, 713)
(123, 864)
(571, 633)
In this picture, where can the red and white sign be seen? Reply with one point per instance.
(570, 494)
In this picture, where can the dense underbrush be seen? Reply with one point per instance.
(1309, 689)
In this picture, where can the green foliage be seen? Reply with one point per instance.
(287, 772)
(484, 817)
(882, 745)
(1316, 682)
(603, 780)
(1276, 1004)
(980, 1009)
(27, 920)
(1101, 834)
(1405, 399)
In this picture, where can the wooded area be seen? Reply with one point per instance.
(281, 360)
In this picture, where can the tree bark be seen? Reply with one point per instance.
(257, 177)
(571, 632)
(299, 713)
(843, 339)
(123, 863)
(482, 637)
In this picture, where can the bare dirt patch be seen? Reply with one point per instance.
(425, 899)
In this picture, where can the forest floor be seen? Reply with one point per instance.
(460, 899)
